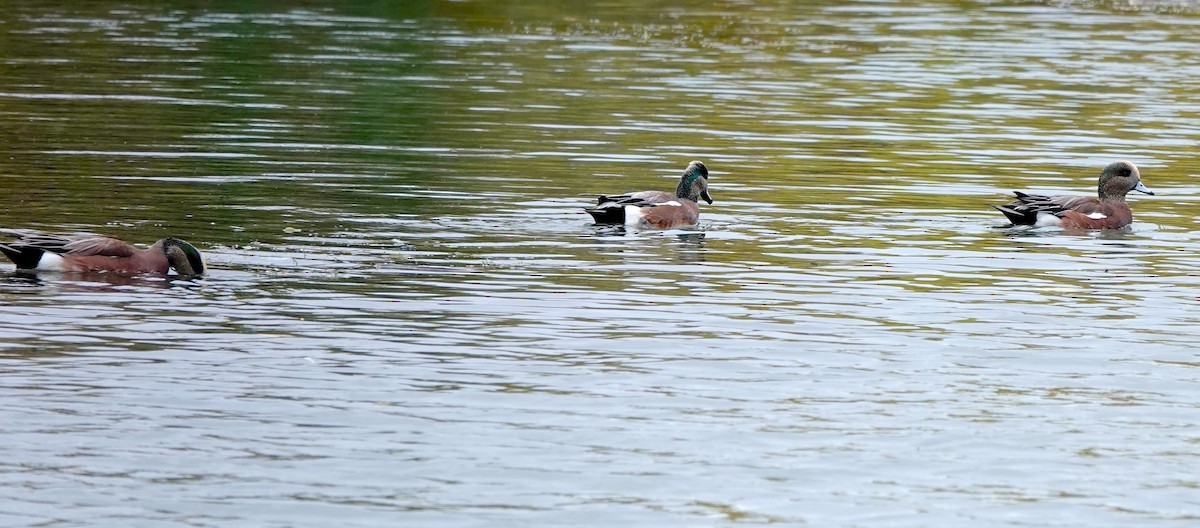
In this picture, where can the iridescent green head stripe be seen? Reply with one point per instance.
(695, 170)
(183, 257)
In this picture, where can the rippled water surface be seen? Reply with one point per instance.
(409, 320)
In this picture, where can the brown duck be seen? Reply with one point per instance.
(1109, 211)
(102, 254)
(657, 209)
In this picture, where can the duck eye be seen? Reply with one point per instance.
(1125, 172)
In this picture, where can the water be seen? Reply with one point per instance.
(410, 321)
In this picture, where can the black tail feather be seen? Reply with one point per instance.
(24, 257)
(1017, 217)
(1027, 207)
(607, 215)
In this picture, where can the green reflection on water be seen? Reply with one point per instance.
(235, 123)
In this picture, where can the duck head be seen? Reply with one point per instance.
(183, 257)
(694, 183)
(1120, 177)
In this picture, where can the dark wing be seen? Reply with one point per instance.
(639, 199)
(81, 246)
(1027, 206)
(51, 243)
(1082, 204)
(103, 246)
(610, 209)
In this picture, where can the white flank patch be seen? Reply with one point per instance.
(633, 215)
(672, 202)
(1047, 220)
(50, 261)
(1097, 216)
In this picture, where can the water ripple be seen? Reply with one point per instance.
(409, 316)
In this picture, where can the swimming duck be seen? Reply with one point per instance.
(1109, 211)
(94, 254)
(657, 209)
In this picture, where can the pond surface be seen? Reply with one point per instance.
(409, 320)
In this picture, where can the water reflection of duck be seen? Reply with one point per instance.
(1082, 212)
(657, 209)
(89, 254)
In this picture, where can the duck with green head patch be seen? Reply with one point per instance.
(657, 209)
(102, 254)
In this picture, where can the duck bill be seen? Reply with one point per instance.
(704, 195)
(1139, 188)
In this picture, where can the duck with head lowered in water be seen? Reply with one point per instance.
(102, 254)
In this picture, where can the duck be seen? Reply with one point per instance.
(1108, 211)
(39, 252)
(657, 209)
